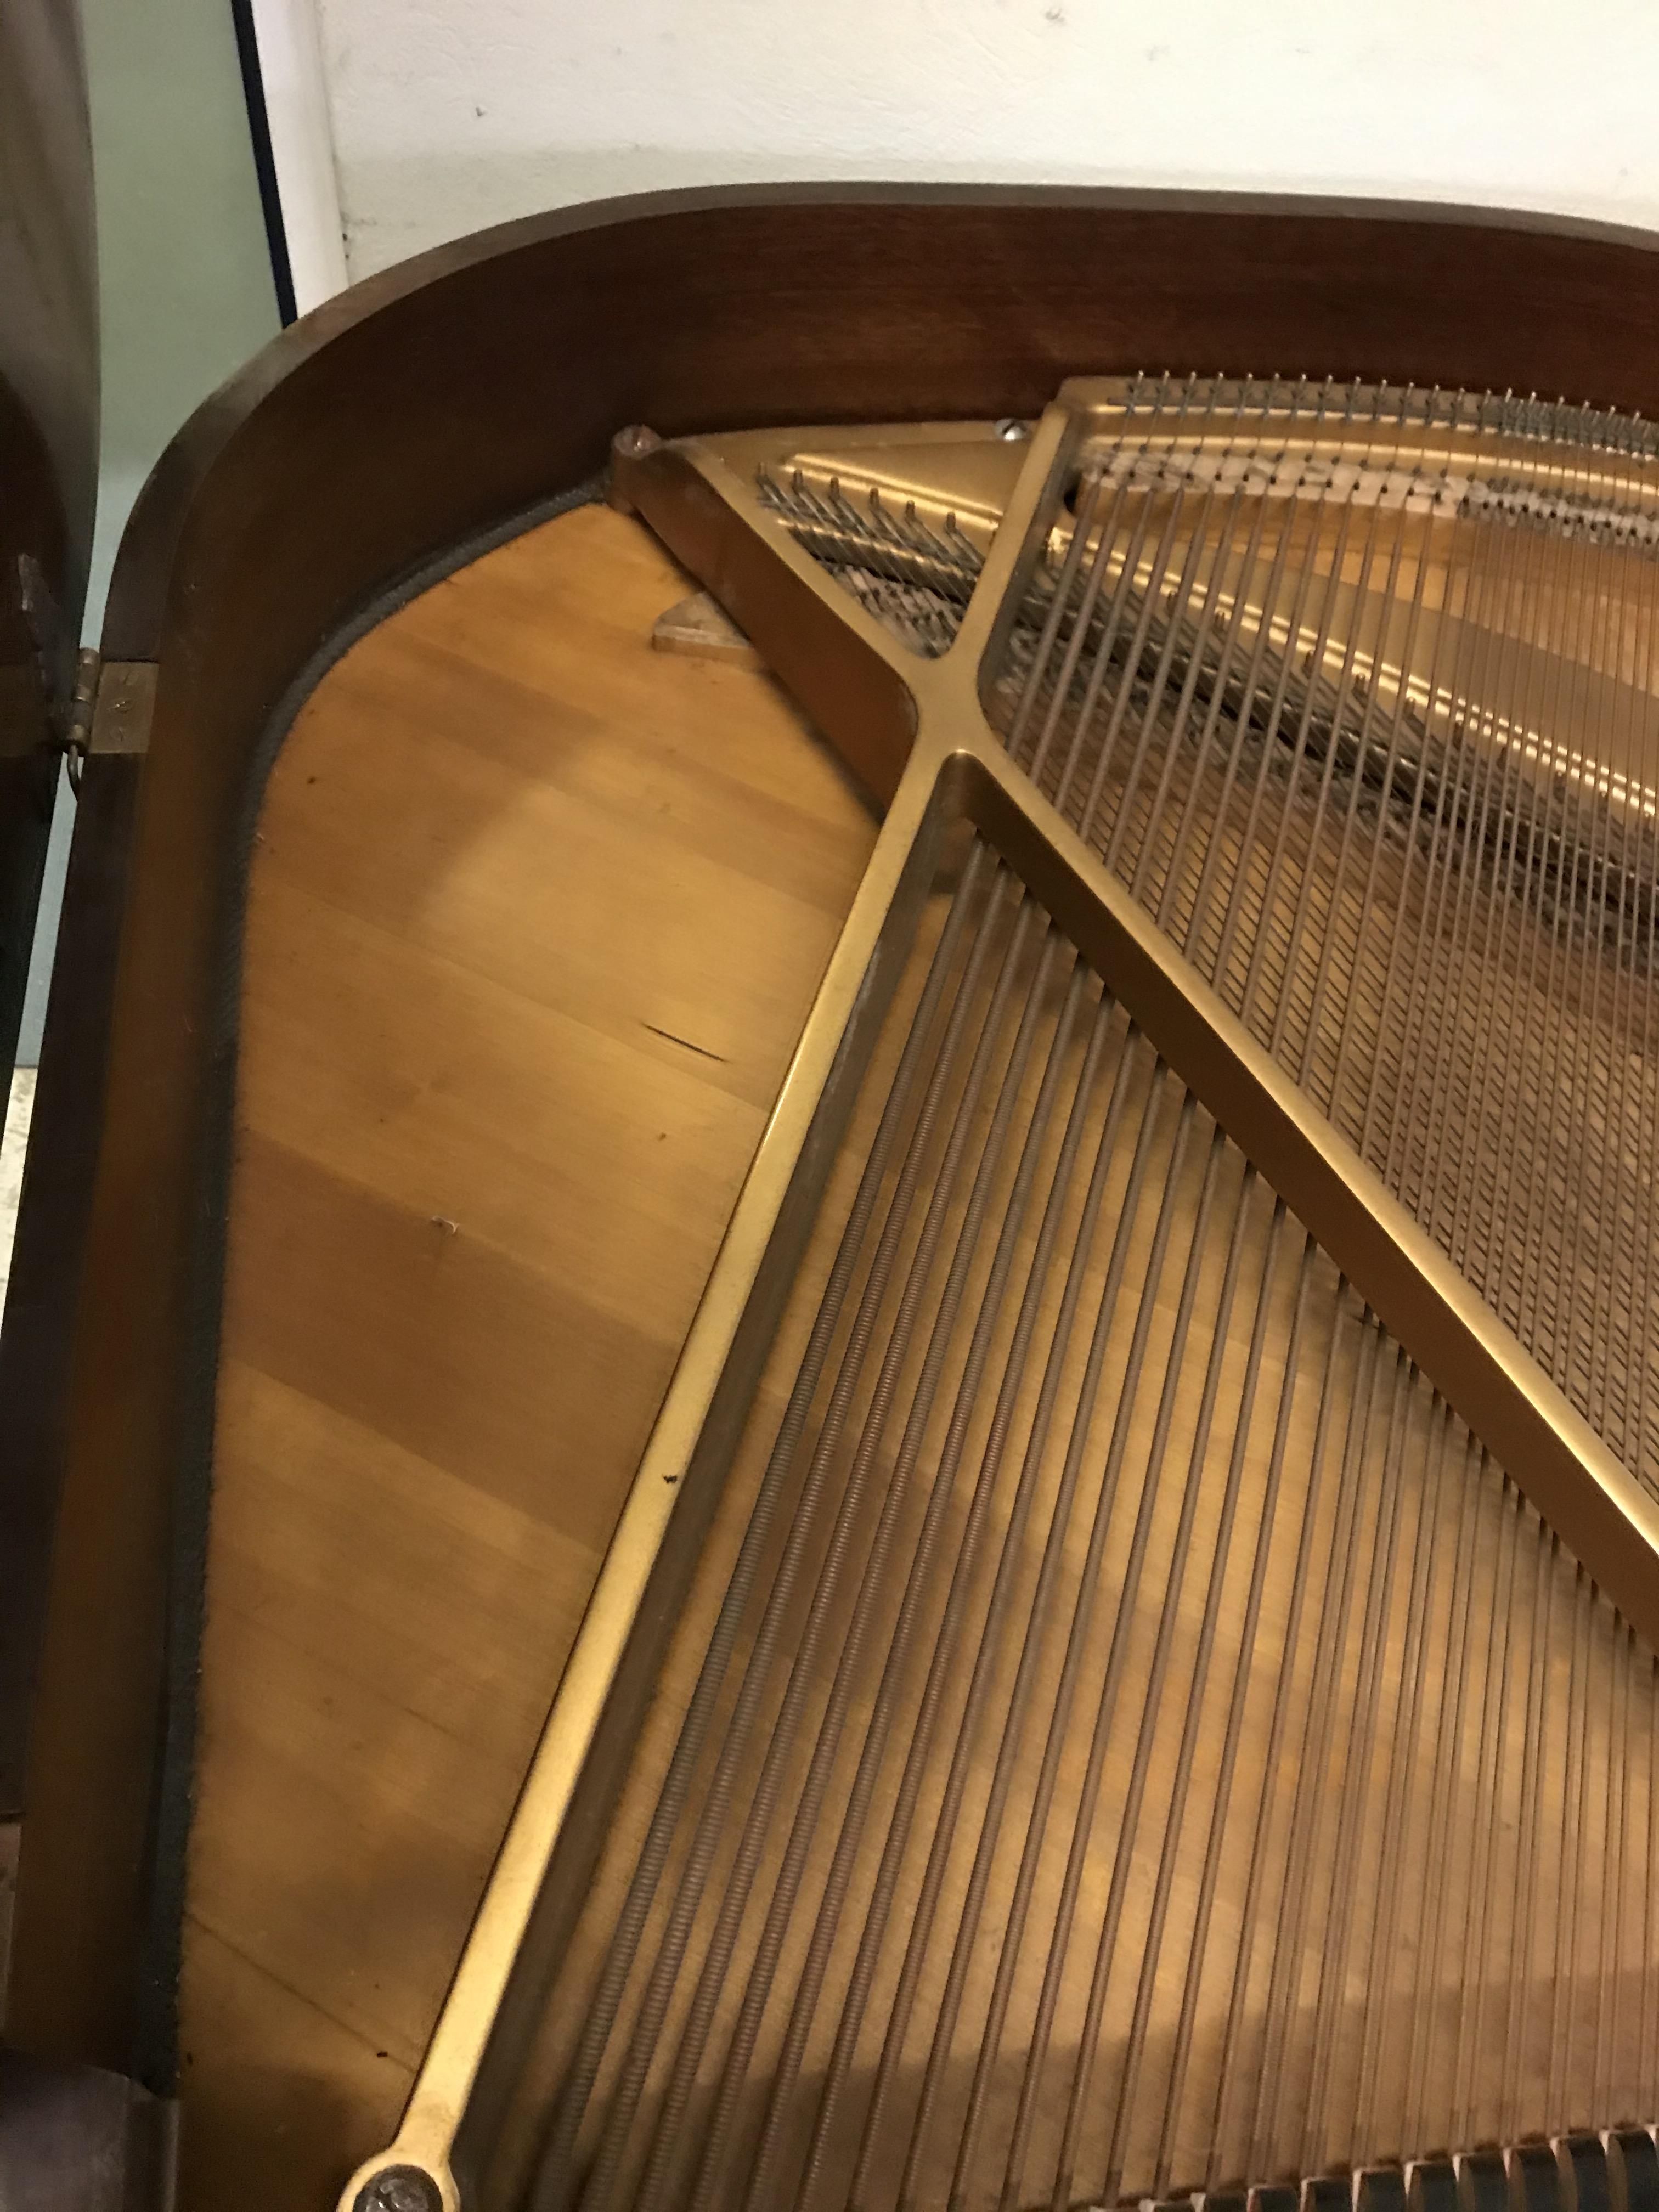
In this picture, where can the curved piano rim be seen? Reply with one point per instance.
(388, 438)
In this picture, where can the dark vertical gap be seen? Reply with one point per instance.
(265, 161)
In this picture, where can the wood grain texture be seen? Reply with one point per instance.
(417, 409)
(535, 915)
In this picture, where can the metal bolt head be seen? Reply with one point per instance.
(399, 2189)
(636, 441)
(1011, 430)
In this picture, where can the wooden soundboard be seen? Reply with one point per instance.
(535, 916)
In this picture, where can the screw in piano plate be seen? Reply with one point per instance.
(632, 444)
(1010, 429)
(399, 2189)
(637, 440)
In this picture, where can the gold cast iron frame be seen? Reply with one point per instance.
(916, 733)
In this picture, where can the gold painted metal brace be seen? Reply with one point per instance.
(1127, 1667)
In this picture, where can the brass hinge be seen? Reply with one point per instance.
(77, 726)
(109, 710)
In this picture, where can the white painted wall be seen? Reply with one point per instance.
(291, 79)
(184, 275)
(449, 114)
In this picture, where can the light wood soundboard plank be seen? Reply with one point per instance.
(535, 917)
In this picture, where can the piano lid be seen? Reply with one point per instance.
(48, 439)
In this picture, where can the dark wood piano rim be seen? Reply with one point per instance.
(375, 444)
